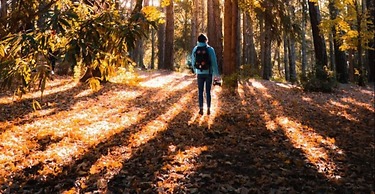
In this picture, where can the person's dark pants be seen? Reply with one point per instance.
(204, 80)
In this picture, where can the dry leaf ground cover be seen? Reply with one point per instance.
(148, 138)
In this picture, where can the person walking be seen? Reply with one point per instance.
(205, 66)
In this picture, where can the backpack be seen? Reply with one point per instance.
(202, 58)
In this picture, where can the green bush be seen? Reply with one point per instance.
(319, 81)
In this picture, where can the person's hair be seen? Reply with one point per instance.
(202, 38)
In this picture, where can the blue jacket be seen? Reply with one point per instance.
(211, 52)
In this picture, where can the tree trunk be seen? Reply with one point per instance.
(339, 56)
(266, 51)
(4, 8)
(292, 59)
(152, 63)
(371, 52)
(303, 39)
(319, 44)
(217, 41)
(169, 37)
(286, 64)
(360, 17)
(292, 46)
(161, 46)
(246, 39)
(194, 23)
(237, 24)
(230, 43)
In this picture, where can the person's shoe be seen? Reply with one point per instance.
(208, 112)
(201, 111)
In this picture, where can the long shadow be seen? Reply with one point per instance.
(353, 137)
(11, 112)
(72, 171)
(242, 156)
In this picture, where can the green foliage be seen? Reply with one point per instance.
(230, 81)
(347, 26)
(247, 71)
(320, 81)
(84, 35)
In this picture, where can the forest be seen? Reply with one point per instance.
(98, 97)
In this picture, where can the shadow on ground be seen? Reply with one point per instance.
(249, 147)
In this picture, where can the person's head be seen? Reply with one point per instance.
(202, 38)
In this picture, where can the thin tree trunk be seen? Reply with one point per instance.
(292, 47)
(246, 40)
(169, 37)
(371, 52)
(286, 64)
(278, 59)
(217, 41)
(4, 8)
(292, 59)
(339, 56)
(303, 39)
(161, 46)
(238, 37)
(361, 79)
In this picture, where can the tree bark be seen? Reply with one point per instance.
(169, 37)
(194, 24)
(292, 59)
(4, 8)
(230, 43)
(217, 41)
(341, 66)
(286, 64)
(371, 52)
(292, 47)
(161, 46)
(266, 51)
(319, 44)
(360, 17)
(303, 39)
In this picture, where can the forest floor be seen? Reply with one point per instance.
(149, 138)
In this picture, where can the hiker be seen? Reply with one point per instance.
(204, 63)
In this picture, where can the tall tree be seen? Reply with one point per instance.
(4, 8)
(249, 53)
(266, 49)
(286, 58)
(360, 43)
(319, 43)
(371, 49)
(194, 23)
(214, 29)
(339, 55)
(161, 44)
(230, 43)
(303, 39)
(169, 36)
(291, 42)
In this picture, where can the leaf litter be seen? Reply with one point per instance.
(148, 137)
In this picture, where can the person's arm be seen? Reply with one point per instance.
(193, 59)
(213, 59)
